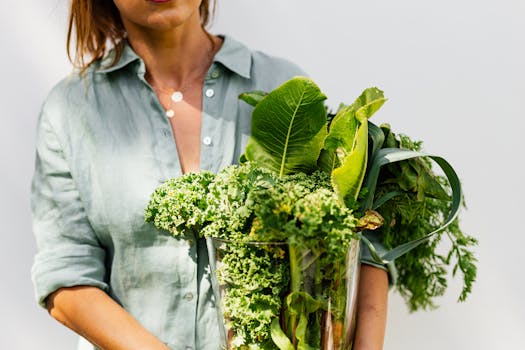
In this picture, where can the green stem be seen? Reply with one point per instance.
(295, 270)
(295, 286)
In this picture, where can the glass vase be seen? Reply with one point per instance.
(275, 295)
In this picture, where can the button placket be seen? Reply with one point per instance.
(209, 120)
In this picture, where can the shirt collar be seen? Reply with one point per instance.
(233, 55)
(127, 56)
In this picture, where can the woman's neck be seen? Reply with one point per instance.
(174, 57)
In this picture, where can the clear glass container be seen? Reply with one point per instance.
(281, 296)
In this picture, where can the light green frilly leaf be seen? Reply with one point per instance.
(347, 179)
(345, 150)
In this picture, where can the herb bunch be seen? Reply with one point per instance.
(421, 207)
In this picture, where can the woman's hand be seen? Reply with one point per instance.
(371, 309)
(91, 313)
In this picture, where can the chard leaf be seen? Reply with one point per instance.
(345, 151)
(327, 161)
(371, 98)
(288, 128)
(347, 179)
(368, 109)
(341, 138)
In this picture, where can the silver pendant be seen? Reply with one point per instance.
(177, 96)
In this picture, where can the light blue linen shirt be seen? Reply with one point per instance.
(104, 144)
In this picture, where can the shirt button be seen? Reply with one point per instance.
(215, 74)
(206, 141)
(189, 348)
(210, 93)
(170, 113)
(188, 296)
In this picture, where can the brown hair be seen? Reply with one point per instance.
(96, 26)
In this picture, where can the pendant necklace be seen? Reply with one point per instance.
(177, 95)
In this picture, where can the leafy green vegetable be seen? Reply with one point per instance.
(247, 203)
(345, 148)
(288, 128)
(285, 220)
(179, 204)
(420, 204)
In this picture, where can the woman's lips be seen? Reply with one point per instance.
(159, 1)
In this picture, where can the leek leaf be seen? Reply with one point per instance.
(392, 155)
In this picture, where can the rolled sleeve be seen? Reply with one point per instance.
(68, 251)
(366, 256)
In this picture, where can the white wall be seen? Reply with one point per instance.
(453, 72)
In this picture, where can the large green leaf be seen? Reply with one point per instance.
(341, 139)
(345, 150)
(347, 179)
(288, 128)
(327, 161)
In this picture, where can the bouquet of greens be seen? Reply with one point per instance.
(286, 224)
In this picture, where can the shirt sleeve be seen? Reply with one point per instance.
(68, 251)
(366, 256)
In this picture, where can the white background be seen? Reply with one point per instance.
(453, 71)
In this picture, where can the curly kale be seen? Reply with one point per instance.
(179, 204)
(256, 277)
(249, 204)
(303, 234)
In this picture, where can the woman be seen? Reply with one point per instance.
(161, 103)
